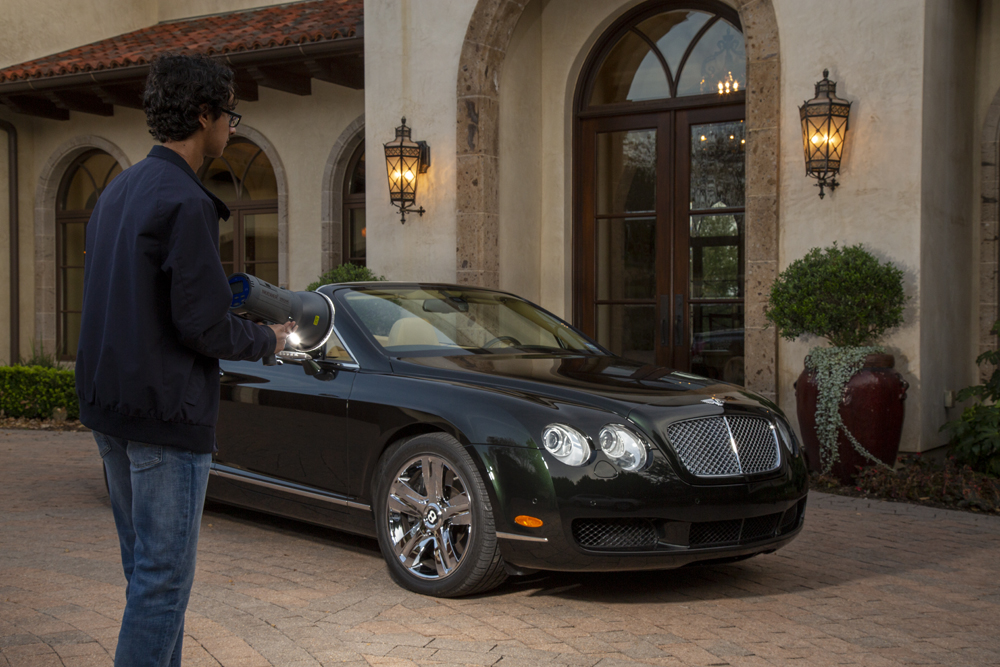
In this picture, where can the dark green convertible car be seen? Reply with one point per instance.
(477, 435)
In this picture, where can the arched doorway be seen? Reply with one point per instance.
(354, 228)
(659, 188)
(85, 179)
(244, 179)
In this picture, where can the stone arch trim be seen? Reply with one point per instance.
(332, 223)
(51, 175)
(281, 177)
(478, 145)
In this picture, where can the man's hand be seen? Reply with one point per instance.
(281, 332)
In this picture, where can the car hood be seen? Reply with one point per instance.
(608, 382)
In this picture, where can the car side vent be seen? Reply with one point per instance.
(725, 446)
(614, 533)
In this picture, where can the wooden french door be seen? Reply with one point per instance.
(660, 237)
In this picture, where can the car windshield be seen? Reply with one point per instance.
(430, 322)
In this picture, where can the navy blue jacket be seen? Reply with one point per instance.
(156, 309)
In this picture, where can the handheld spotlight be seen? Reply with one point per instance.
(260, 301)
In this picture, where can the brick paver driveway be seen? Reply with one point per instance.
(867, 583)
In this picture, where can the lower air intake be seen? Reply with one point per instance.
(614, 533)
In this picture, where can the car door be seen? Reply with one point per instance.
(279, 422)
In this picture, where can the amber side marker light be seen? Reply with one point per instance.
(528, 521)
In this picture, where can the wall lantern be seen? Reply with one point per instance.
(405, 159)
(824, 131)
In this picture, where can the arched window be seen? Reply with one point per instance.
(244, 179)
(659, 188)
(355, 230)
(85, 180)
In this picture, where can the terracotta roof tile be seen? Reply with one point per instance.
(282, 25)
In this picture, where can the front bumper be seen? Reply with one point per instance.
(635, 521)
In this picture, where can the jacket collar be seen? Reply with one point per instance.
(165, 153)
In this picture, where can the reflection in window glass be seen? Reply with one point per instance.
(626, 171)
(673, 32)
(717, 341)
(716, 246)
(626, 258)
(718, 165)
(427, 322)
(242, 174)
(630, 73)
(628, 330)
(718, 63)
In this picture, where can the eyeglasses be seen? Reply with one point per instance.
(234, 118)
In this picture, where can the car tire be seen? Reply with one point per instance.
(434, 518)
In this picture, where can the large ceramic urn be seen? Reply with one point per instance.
(871, 409)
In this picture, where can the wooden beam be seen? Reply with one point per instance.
(129, 96)
(348, 71)
(74, 100)
(246, 87)
(35, 106)
(281, 79)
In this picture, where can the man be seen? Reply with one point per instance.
(155, 323)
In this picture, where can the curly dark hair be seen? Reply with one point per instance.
(179, 88)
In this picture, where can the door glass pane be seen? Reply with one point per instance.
(626, 258)
(73, 244)
(626, 171)
(717, 341)
(71, 334)
(718, 63)
(716, 243)
(226, 240)
(718, 165)
(631, 72)
(267, 271)
(72, 290)
(359, 233)
(357, 186)
(260, 236)
(628, 331)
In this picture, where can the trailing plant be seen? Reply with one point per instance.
(975, 435)
(345, 273)
(842, 294)
(834, 367)
(34, 392)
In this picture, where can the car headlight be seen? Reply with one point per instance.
(566, 444)
(787, 437)
(623, 447)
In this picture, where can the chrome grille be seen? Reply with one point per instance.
(741, 531)
(614, 533)
(728, 445)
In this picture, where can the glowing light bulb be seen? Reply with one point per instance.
(720, 88)
(743, 141)
(703, 137)
(294, 339)
(396, 175)
(408, 175)
(736, 85)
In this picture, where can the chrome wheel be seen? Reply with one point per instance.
(428, 515)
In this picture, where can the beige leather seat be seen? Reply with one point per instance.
(412, 331)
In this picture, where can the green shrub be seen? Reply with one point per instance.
(345, 273)
(975, 435)
(842, 294)
(33, 392)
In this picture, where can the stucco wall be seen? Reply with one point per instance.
(878, 201)
(411, 59)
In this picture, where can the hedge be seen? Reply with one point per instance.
(33, 392)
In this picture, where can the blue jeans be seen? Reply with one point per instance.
(157, 495)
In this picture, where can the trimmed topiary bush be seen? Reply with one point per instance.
(345, 273)
(33, 392)
(842, 294)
